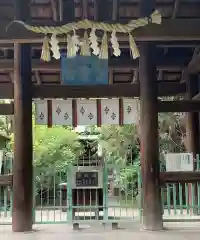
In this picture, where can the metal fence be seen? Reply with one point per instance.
(99, 190)
(89, 190)
(5, 191)
(180, 201)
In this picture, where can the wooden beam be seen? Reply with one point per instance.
(176, 177)
(6, 109)
(193, 66)
(196, 97)
(6, 91)
(116, 63)
(6, 180)
(68, 7)
(169, 30)
(100, 91)
(179, 106)
(103, 10)
(115, 90)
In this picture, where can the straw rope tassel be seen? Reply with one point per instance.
(75, 43)
(45, 55)
(155, 18)
(85, 46)
(104, 47)
(133, 47)
(69, 46)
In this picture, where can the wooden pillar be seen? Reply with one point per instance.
(192, 134)
(22, 164)
(192, 124)
(152, 210)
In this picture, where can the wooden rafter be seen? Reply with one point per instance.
(84, 9)
(54, 10)
(115, 8)
(175, 9)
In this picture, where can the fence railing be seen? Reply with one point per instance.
(180, 201)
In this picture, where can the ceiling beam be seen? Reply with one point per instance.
(169, 30)
(100, 91)
(6, 65)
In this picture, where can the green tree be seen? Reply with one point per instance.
(55, 149)
(121, 147)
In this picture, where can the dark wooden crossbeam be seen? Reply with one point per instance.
(197, 97)
(177, 177)
(7, 109)
(114, 63)
(169, 30)
(6, 180)
(179, 106)
(115, 90)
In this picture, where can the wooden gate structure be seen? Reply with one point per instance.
(168, 66)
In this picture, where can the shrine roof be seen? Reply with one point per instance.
(172, 57)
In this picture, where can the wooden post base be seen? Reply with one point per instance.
(115, 226)
(76, 226)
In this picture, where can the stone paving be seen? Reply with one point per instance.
(58, 232)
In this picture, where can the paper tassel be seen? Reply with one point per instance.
(85, 46)
(75, 43)
(45, 55)
(133, 47)
(104, 47)
(70, 52)
(55, 47)
(94, 42)
(115, 44)
(156, 17)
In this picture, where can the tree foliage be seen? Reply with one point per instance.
(55, 147)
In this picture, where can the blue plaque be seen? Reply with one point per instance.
(84, 70)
